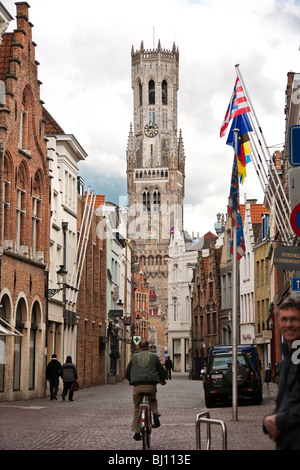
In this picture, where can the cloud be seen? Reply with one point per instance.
(84, 52)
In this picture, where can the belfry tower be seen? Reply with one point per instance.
(155, 174)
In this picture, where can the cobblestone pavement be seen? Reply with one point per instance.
(99, 418)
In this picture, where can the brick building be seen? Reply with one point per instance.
(24, 214)
(206, 303)
(91, 302)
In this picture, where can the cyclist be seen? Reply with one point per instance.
(144, 372)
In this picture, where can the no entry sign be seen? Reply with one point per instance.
(295, 219)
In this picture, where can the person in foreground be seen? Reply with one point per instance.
(144, 372)
(283, 425)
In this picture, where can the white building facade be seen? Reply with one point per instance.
(181, 263)
(64, 153)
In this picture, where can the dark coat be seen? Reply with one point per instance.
(288, 403)
(53, 370)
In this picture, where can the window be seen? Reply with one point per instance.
(6, 199)
(177, 355)
(36, 216)
(208, 323)
(20, 207)
(18, 350)
(156, 200)
(24, 124)
(151, 116)
(265, 226)
(153, 311)
(151, 91)
(32, 349)
(164, 92)
(152, 295)
(175, 309)
(146, 201)
(140, 93)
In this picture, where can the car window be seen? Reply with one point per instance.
(223, 362)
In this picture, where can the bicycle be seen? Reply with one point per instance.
(145, 420)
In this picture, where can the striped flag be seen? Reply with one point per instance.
(240, 248)
(233, 200)
(238, 104)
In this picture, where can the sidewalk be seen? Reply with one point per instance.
(246, 432)
(100, 418)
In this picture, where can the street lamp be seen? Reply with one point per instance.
(61, 278)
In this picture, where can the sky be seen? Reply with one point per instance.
(84, 51)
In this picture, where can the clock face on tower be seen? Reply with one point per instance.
(151, 129)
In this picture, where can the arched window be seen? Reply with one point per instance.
(151, 91)
(6, 198)
(18, 349)
(25, 119)
(164, 92)
(140, 93)
(156, 200)
(21, 205)
(32, 350)
(146, 200)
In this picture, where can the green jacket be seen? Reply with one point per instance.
(145, 368)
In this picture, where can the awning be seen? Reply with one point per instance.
(5, 332)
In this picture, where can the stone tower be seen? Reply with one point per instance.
(155, 174)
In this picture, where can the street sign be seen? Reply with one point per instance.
(136, 339)
(295, 145)
(287, 257)
(296, 284)
(294, 179)
(295, 219)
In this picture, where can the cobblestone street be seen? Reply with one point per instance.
(99, 418)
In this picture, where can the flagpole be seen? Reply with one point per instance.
(234, 305)
(273, 175)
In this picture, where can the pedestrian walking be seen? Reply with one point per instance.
(53, 372)
(69, 376)
(169, 367)
(283, 425)
(267, 378)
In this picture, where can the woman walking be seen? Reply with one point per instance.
(69, 375)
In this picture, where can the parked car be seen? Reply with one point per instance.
(218, 379)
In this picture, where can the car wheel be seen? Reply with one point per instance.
(242, 374)
(208, 401)
(257, 399)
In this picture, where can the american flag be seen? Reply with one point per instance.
(238, 104)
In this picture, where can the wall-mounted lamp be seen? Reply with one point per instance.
(61, 278)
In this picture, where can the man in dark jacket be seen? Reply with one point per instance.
(283, 426)
(169, 367)
(144, 372)
(53, 372)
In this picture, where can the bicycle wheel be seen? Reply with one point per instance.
(148, 437)
(144, 440)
